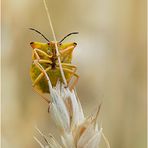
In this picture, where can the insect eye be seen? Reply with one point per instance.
(75, 44)
(48, 43)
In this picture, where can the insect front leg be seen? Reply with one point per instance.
(68, 49)
(35, 54)
(37, 51)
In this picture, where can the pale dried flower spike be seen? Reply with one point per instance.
(76, 131)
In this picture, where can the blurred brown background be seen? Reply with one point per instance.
(111, 60)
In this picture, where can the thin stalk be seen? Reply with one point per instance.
(55, 40)
(106, 140)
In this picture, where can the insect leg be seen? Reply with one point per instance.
(45, 98)
(40, 67)
(68, 49)
(69, 65)
(40, 76)
(42, 52)
(34, 52)
(73, 74)
(42, 61)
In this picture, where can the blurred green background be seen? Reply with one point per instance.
(111, 60)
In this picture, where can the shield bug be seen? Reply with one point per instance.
(44, 54)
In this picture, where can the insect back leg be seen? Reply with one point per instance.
(72, 74)
(43, 96)
(71, 67)
(68, 70)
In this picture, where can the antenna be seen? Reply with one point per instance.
(39, 33)
(68, 35)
